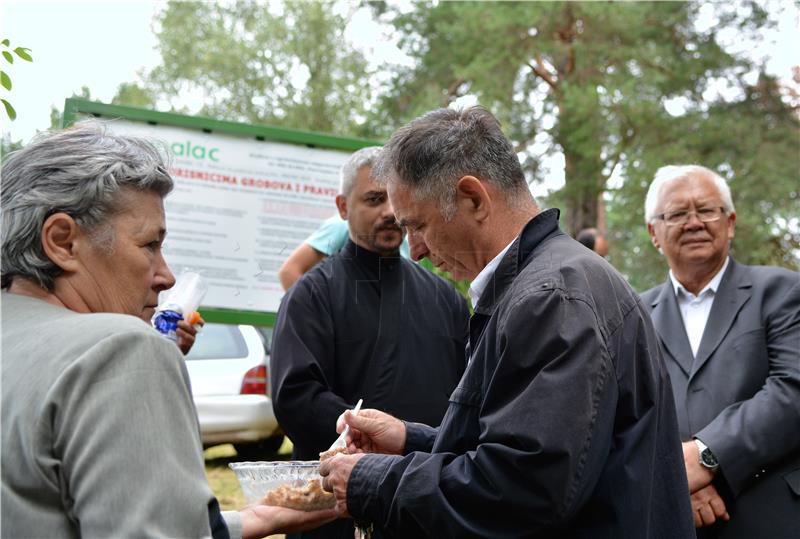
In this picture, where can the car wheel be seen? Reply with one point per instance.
(261, 450)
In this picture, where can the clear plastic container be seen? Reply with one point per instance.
(181, 300)
(294, 484)
(185, 296)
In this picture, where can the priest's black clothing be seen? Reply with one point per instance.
(358, 325)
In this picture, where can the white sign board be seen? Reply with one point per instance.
(240, 206)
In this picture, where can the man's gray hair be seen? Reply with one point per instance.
(670, 173)
(437, 149)
(365, 157)
(80, 171)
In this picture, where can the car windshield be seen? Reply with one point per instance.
(218, 341)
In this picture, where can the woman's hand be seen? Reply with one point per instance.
(187, 331)
(261, 520)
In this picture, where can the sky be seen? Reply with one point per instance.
(103, 43)
(99, 44)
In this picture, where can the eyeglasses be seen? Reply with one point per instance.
(681, 217)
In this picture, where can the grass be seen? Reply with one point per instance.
(223, 481)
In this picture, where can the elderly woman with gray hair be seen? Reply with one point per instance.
(99, 433)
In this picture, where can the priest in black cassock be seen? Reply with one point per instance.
(364, 323)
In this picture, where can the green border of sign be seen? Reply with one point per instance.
(74, 107)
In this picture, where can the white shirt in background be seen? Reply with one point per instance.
(695, 309)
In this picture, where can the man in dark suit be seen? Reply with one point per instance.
(731, 340)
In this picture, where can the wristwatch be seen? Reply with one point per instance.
(707, 458)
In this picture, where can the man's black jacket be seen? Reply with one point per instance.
(563, 424)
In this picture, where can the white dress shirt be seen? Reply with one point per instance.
(478, 285)
(695, 309)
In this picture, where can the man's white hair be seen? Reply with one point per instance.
(365, 157)
(670, 173)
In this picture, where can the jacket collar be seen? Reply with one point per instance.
(369, 259)
(713, 284)
(518, 255)
(669, 323)
(733, 293)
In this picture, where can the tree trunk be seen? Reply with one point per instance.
(582, 194)
(578, 134)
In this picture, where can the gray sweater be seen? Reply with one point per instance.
(99, 432)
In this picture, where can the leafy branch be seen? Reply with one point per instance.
(23, 54)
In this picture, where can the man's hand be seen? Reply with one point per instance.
(335, 474)
(698, 475)
(186, 333)
(261, 520)
(708, 506)
(373, 431)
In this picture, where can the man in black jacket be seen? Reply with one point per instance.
(563, 424)
(366, 323)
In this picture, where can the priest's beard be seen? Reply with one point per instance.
(385, 239)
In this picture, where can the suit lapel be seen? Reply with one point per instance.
(732, 294)
(669, 324)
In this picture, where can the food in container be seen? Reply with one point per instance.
(330, 453)
(292, 484)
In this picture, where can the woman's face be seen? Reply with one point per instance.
(127, 276)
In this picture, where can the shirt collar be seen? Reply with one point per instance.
(478, 285)
(538, 229)
(712, 285)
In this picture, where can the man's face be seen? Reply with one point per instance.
(446, 243)
(369, 215)
(128, 277)
(695, 246)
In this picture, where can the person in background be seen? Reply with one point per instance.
(563, 424)
(731, 340)
(326, 240)
(99, 432)
(594, 240)
(364, 323)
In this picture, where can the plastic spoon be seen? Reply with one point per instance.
(340, 442)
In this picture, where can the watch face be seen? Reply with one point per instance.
(708, 459)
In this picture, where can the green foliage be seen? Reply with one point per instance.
(586, 76)
(753, 143)
(57, 116)
(7, 146)
(5, 80)
(590, 79)
(258, 62)
(12, 114)
(134, 95)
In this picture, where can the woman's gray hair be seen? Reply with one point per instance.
(437, 149)
(670, 173)
(365, 157)
(80, 171)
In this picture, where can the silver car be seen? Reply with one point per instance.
(229, 372)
